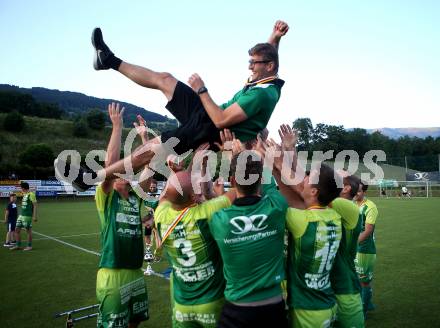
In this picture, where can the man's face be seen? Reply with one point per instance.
(13, 199)
(153, 188)
(360, 194)
(122, 187)
(259, 67)
(306, 187)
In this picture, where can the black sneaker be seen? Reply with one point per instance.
(62, 170)
(102, 52)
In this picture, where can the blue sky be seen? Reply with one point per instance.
(363, 64)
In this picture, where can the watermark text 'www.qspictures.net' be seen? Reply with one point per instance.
(293, 164)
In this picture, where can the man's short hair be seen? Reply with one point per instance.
(12, 194)
(253, 167)
(364, 186)
(267, 51)
(354, 182)
(24, 185)
(327, 185)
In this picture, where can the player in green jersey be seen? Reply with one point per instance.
(197, 276)
(315, 232)
(250, 236)
(120, 285)
(343, 277)
(27, 215)
(366, 254)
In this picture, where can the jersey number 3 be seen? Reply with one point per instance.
(188, 257)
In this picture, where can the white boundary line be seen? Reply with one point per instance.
(70, 236)
(67, 244)
(86, 250)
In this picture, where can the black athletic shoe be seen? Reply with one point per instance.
(102, 52)
(62, 170)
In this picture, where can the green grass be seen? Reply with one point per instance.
(54, 277)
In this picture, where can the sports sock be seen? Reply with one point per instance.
(366, 298)
(113, 62)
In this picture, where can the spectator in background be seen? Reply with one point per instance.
(27, 215)
(11, 220)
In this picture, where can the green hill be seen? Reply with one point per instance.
(58, 134)
(74, 103)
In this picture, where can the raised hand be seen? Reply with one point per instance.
(280, 29)
(175, 164)
(141, 128)
(270, 149)
(237, 146)
(219, 186)
(288, 136)
(226, 137)
(196, 82)
(115, 114)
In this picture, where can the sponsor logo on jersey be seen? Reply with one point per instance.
(244, 224)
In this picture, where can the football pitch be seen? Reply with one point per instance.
(59, 274)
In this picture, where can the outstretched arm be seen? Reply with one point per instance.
(142, 131)
(279, 30)
(114, 145)
(232, 115)
(289, 190)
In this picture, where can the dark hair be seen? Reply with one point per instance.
(252, 167)
(12, 194)
(24, 185)
(327, 186)
(153, 181)
(182, 199)
(354, 182)
(267, 51)
(364, 186)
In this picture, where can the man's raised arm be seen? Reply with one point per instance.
(114, 145)
(279, 30)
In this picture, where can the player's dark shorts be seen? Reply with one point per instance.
(10, 226)
(148, 231)
(195, 125)
(271, 315)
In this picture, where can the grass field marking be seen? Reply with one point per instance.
(157, 274)
(67, 244)
(86, 250)
(70, 236)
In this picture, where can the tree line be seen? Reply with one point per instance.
(419, 153)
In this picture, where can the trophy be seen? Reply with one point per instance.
(149, 258)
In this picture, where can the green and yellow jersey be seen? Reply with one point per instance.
(314, 238)
(121, 230)
(192, 252)
(369, 214)
(152, 201)
(343, 276)
(27, 204)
